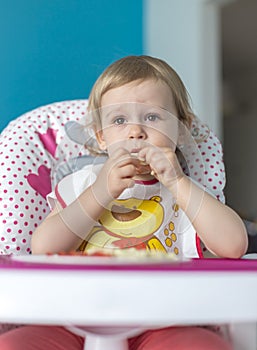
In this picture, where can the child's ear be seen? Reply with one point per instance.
(100, 139)
(182, 134)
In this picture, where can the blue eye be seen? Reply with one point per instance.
(152, 117)
(119, 120)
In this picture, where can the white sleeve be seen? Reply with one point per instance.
(51, 200)
(71, 186)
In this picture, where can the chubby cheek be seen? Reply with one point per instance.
(162, 140)
(113, 144)
(109, 140)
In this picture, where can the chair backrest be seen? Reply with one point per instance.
(34, 146)
(28, 153)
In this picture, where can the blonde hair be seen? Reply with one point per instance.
(131, 68)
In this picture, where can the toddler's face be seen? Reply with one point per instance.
(138, 114)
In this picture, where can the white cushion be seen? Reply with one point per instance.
(29, 150)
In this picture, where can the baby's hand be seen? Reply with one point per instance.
(164, 164)
(115, 176)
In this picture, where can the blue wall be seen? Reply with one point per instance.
(53, 50)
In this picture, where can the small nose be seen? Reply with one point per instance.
(136, 131)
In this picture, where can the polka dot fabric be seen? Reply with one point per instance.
(28, 152)
(214, 172)
(32, 146)
(204, 160)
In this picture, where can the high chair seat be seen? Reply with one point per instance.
(40, 147)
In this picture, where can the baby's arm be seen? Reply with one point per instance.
(219, 227)
(65, 228)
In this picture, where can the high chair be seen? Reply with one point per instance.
(40, 147)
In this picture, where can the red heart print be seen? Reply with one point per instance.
(49, 140)
(41, 182)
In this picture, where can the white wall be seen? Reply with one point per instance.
(186, 33)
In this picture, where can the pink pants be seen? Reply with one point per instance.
(58, 338)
